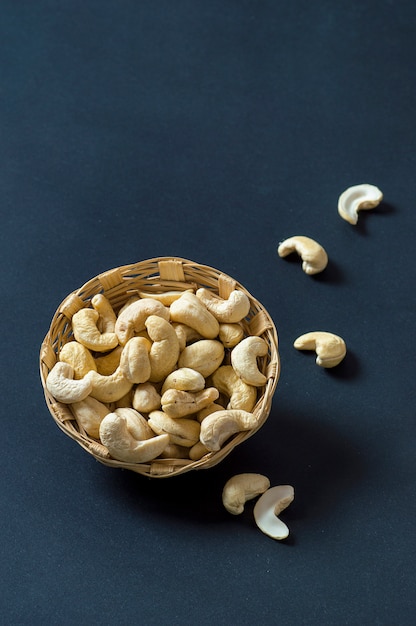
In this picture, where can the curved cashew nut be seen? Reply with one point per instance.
(108, 363)
(89, 413)
(177, 403)
(62, 385)
(135, 360)
(166, 298)
(164, 352)
(204, 356)
(132, 318)
(244, 360)
(197, 451)
(314, 257)
(182, 431)
(330, 349)
(267, 508)
(240, 394)
(121, 444)
(146, 398)
(107, 319)
(136, 424)
(210, 408)
(108, 388)
(185, 379)
(189, 310)
(356, 198)
(230, 334)
(79, 357)
(219, 426)
(232, 310)
(241, 488)
(84, 326)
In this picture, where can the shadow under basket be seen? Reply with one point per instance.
(157, 275)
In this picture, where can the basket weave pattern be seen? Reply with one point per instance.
(156, 276)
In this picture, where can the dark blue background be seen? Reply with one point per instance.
(212, 131)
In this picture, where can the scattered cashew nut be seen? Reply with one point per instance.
(267, 508)
(241, 488)
(330, 349)
(219, 426)
(62, 385)
(244, 360)
(315, 258)
(357, 198)
(84, 326)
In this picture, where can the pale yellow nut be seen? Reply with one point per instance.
(182, 431)
(244, 360)
(204, 356)
(185, 379)
(121, 444)
(84, 326)
(173, 451)
(164, 351)
(230, 334)
(166, 298)
(185, 334)
(137, 425)
(89, 414)
(108, 363)
(330, 349)
(357, 198)
(211, 408)
(314, 256)
(79, 357)
(189, 310)
(198, 451)
(131, 320)
(243, 487)
(107, 320)
(267, 508)
(124, 401)
(235, 308)
(146, 398)
(240, 394)
(108, 388)
(178, 403)
(63, 387)
(218, 427)
(135, 360)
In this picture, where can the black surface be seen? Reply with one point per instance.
(212, 131)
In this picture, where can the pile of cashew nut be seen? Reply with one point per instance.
(170, 375)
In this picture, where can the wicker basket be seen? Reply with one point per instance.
(156, 275)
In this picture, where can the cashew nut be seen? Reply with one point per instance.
(241, 488)
(230, 334)
(211, 408)
(197, 451)
(182, 431)
(64, 388)
(267, 508)
(132, 318)
(146, 398)
(314, 257)
(121, 444)
(244, 360)
(233, 309)
(164, 352)
(166, 298)
(108, 388)
(240, 394)
(356, 198)
(108, 363)
(107, 320)
(330, 349)
(79, 357)
(84, 326)
(137, 425)
(185, 334)
(177, 403)
(204, 356)
(89, 413)
(189, 310)
(135, 360)
(185, 379)
(219, 426)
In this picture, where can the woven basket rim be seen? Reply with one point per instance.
(118, 284)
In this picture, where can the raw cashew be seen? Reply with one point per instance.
(121, 444)
(136, 424)
(267, 508)
(132, 319)
(84, 326)
(135, 360)
(314, 257)
(107, 364)
(182, 431)
(219, 426)
(173, 451)
(107, 320)
(164, 352)
(204, 356)
(244, 360)
(177, 403)
(166, 298)
(108, 388)
(185, 379)
(240, 394)
(211, 408)
(241, 488)
(79, 357)
(146, 398)
(230, 334)
(189, 310)
(330, 349)
(64, 388)
(89, 413)
(198, 451)
(356, 198)
(185, 334)
(228, 311)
